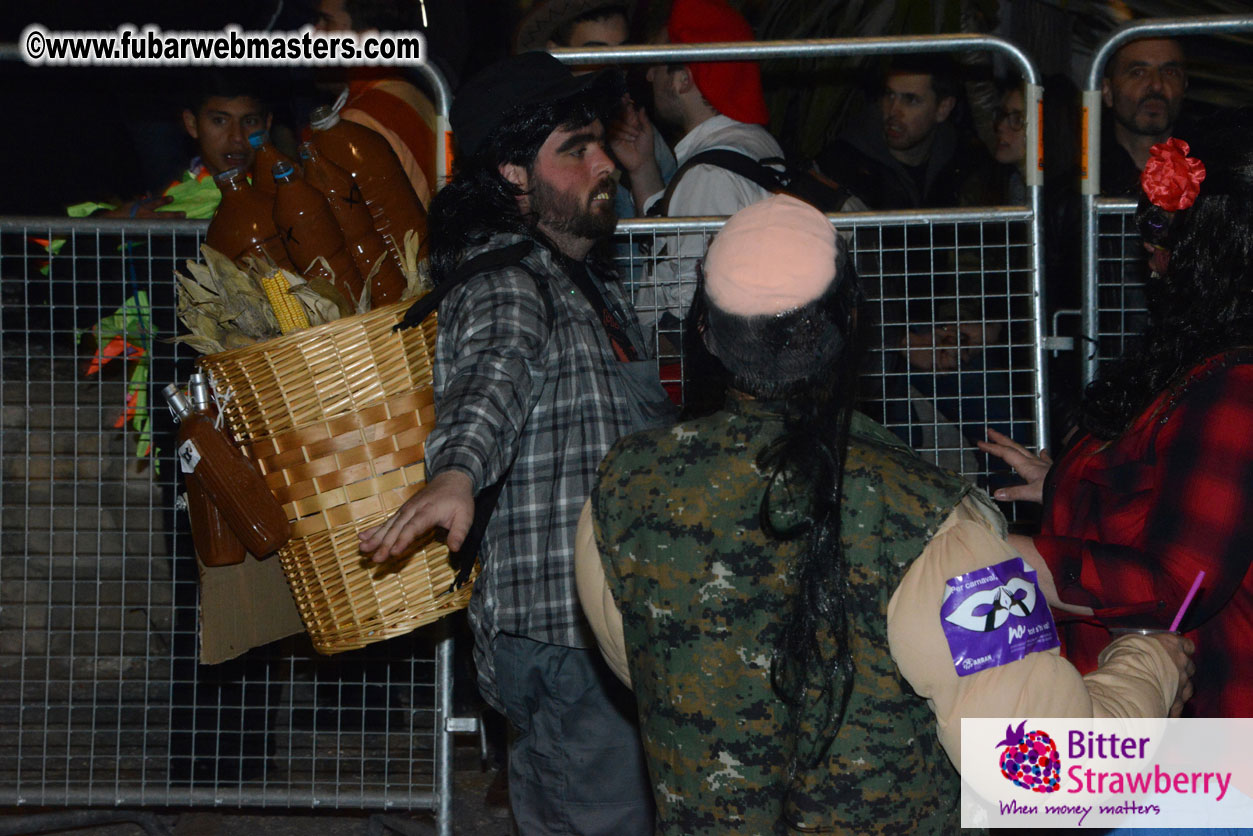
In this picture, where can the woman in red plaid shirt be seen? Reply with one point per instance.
(1159, 484)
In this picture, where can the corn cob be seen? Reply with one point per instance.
(287, 308)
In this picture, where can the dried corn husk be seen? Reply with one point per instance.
(363, 304)
(323, 301)
(219, 303)
(223, 305)
(417, 277)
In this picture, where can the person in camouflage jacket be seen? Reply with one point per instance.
(786, 648)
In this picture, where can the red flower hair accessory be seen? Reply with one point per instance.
(1171, 178)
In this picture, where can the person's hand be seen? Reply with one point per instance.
(631, 138)
(1028, 465)
(447, 501)
(1180, 650)
(144, 208)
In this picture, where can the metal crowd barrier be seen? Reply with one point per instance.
(1117, 298)
(1114, 268)
(964, 269)
(102, 701)
(923, 270)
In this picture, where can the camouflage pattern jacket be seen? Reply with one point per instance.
(702, 592)
(685, 599)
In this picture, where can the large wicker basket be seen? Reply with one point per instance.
(336, 417)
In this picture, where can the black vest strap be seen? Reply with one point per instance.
(510, 256)
(486, 500)
(621, 343)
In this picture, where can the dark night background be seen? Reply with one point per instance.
(80, 133)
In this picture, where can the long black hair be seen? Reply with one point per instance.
(807, 362)
(478, 201)
(1203, 304)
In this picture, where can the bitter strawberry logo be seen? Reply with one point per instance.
(1030, 759)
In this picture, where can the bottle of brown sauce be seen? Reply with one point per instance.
(308, 230)
(244, 223)
(267, 156)
(372, 163)
(215, 542)
(229, 480)
(374, 261)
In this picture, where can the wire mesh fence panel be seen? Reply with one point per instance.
(102, 698)
(949, 324)
(1121, 274)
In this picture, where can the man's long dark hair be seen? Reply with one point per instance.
(811, 667)
(478, 201)
(1203, 304)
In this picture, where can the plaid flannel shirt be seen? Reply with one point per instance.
(1128, 523)
(509, 383)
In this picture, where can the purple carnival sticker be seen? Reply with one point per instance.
(994, 616)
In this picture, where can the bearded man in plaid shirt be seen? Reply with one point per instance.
(539, 367)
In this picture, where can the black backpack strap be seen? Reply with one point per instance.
(733, 161)
(808, 183)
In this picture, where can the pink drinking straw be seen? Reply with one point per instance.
(1196, 584)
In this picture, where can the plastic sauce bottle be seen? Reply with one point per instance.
(372, 163)
(215, 542)
(267, 156)
(364, 243)
(308, 229)
(231, 481)
(244, 223)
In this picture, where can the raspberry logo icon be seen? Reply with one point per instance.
(1030, 759)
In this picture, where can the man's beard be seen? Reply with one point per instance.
(568, 214)
(1150, 125)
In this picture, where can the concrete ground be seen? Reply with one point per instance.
(471, 816)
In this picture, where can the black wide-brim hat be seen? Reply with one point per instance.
(515, 85)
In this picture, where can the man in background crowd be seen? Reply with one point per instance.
(574, 24)
(223, 108)
(552, 24)
(1143, 90)
(908, 154)
(708, 105)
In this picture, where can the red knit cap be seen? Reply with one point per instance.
(733, 87)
